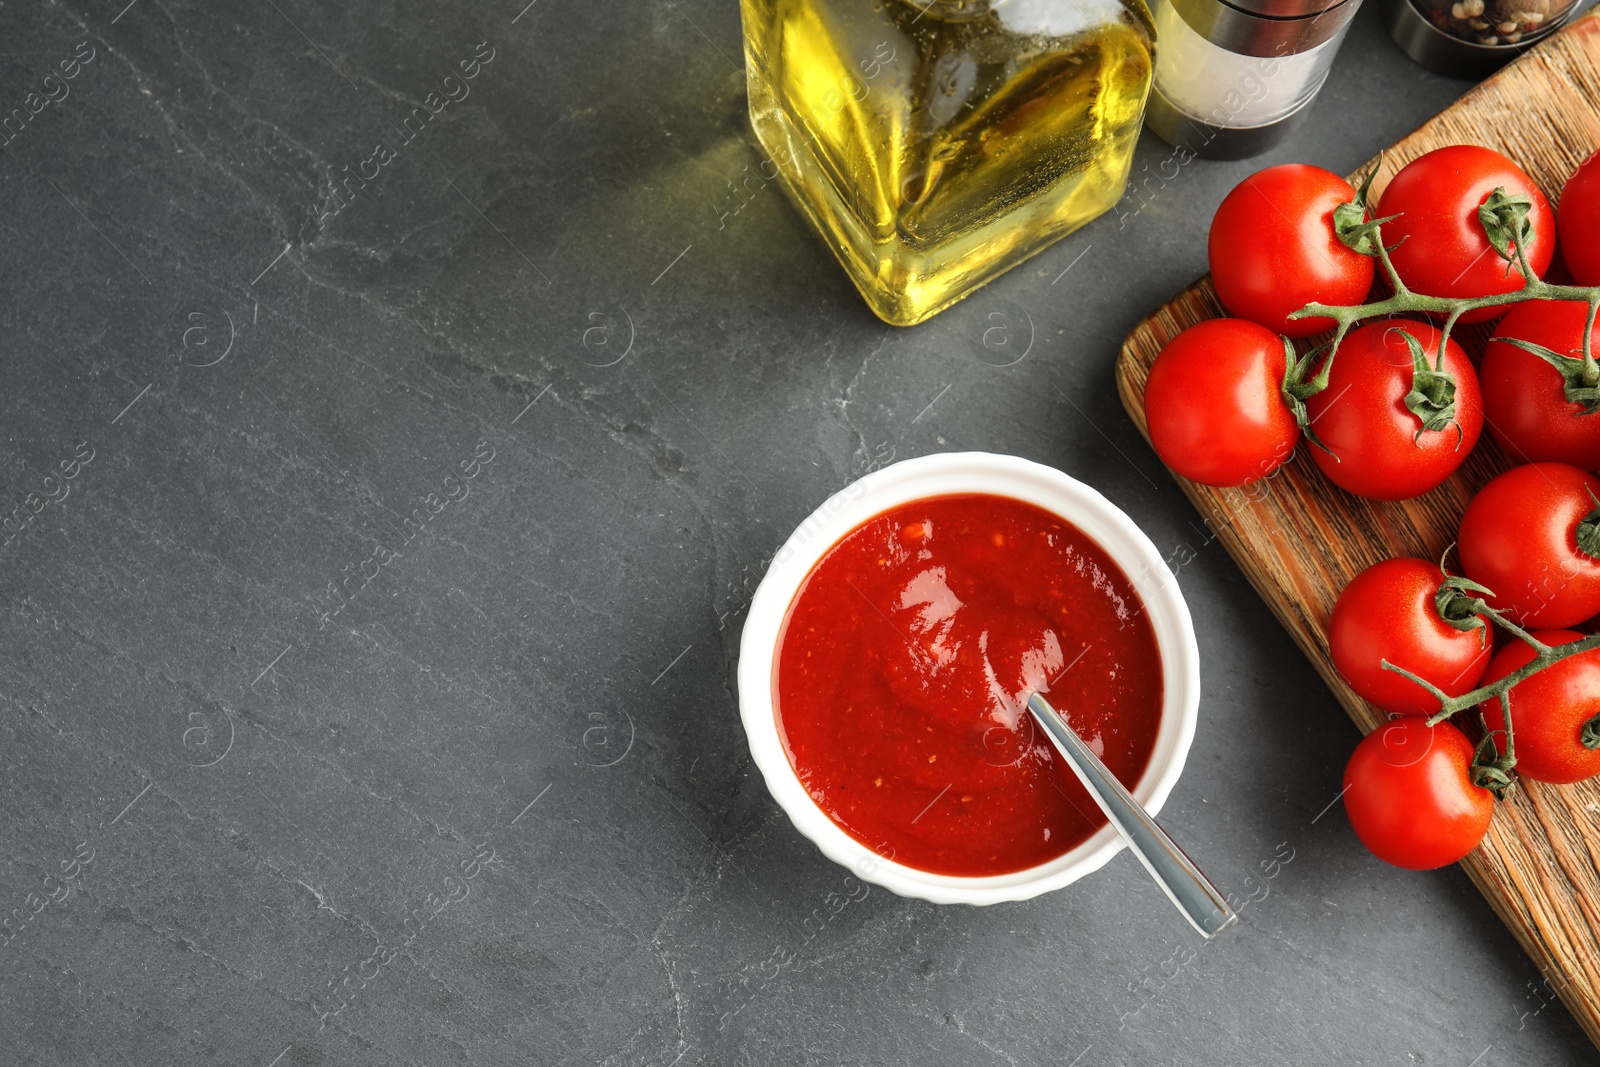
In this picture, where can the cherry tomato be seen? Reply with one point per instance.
(1443, 249)
(1520, 537)
(1549, 710)
(1410, 795)
(1273, 249)
(1387, 613)
(1383, 452)
(1214, 401)
(1524, 399)
(1578, 222)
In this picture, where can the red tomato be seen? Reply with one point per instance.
(1387, 613)
(1520, 537)
(1214, 401)
(1549, 710)
(1273, 249)
(1578, 222)
(1383, 452)
(1443, 250)
(1410, 795)
(1524, 399)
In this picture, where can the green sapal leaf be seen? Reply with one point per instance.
(1297, 388)
(1350, 223)
(1591, 733)
(1457, 605)
(1587, 533)
(1491, 769)
(1432, 398)
(1505, 221)
(1576, 373)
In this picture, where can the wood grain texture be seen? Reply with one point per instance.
(1300, 539)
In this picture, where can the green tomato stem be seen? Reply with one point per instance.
(1389, 270)
(1481, 606)
(1449, 705)
(1591, 370)
(1505, 712)
(1404, 301)
(1407, 302)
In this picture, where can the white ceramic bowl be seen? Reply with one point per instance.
(941, 475)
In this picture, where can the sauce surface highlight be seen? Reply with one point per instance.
(904, 667)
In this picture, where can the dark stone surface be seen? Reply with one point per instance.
(497, 808)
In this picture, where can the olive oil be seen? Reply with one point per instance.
(937, 143)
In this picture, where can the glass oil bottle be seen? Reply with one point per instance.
(935, 144)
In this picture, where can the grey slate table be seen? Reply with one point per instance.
(374, 569)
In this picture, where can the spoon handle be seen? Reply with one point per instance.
(1190, 890)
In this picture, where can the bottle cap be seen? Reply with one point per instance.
(1267, 27)
(1284, 9)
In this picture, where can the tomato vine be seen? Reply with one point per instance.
(1460, 602)
(1504, 218)
(1458, 606)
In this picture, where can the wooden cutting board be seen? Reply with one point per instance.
(1300, 539)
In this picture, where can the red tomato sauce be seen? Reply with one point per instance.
(905, 664)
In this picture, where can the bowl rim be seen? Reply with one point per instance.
(946, 474)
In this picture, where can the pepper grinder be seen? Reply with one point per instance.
(1234, 78)
(1471, 38)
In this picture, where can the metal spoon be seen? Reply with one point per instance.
(1182, 881)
